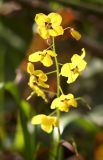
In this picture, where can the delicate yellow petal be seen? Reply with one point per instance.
(51, 53)
(76, 59)
(56, 31)
(72, 77)
(72, 102)
(55, 103)
(65, 69)
(55, 19)
(32, 79)
(40, 19)
(42, 76)
(43, 32)
(75, 34)
(30, 68)
(64, 108)
(42, 84)
(35, 57)
(37, 119)
(47, 61)
(47, 128)
(82, 65)
(59, 30)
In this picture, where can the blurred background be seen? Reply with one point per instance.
(19, 140)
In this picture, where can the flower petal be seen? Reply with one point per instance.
(47, 61)
(51, 53)
(65, 69)
(42, 76)
(35, 57)
(56, 102)
(72, 77)
(42, 84)
(56, 31)
(43, 32)
(30, 68)
(55, 18)
(72, 102)
(37, 119)
(82, 65)
(47, 128)
(40, 19)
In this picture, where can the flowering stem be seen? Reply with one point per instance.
(57, 68)
(58, 94)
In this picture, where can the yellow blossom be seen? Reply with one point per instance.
(47, 122)
(49, 25)
(43, 56)
(64, 102)
(37, 76)
(36, 89)
(72, 70)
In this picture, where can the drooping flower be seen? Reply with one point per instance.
(47, 122)
(49, 25)
(43, 56)
(72, 70)
(64, 102)
(37, 90)
(37, 76)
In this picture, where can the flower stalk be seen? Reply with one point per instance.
(49, 26)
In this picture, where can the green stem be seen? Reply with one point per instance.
(51, 72)
(58, 94)
(57, 68)
(61, 90)
(48, 47)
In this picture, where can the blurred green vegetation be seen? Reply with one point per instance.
(19, 140)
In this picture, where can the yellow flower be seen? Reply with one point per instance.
(64, 102)
(73, 69)
(37, 76)
(43, 56)
(36, 89)
(49, 25)
(47, 122)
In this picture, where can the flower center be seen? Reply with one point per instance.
(48, 25)
(75, 70)
(65, 100)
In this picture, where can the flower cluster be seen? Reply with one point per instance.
(49, 26)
